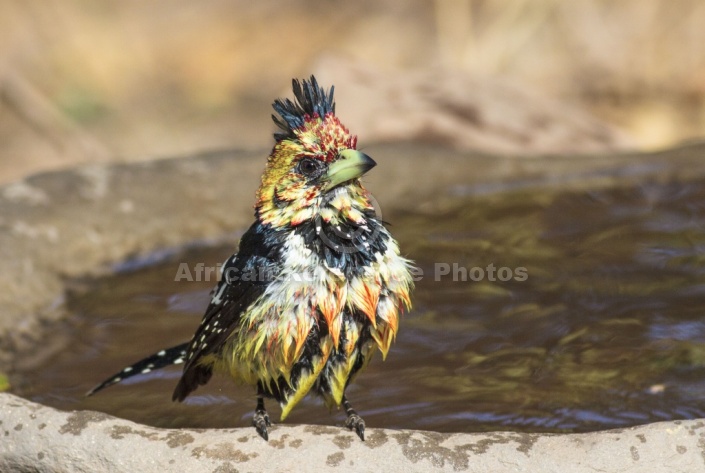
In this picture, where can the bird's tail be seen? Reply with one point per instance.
(164, 358)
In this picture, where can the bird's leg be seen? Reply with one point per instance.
(261, 419)
(354, 421)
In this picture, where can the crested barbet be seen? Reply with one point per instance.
(325, 282)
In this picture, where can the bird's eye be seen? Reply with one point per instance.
(309, 167)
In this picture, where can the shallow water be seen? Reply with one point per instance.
(606, 330)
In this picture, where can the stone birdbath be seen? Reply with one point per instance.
(81, 222)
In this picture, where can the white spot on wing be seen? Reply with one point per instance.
(218, 298)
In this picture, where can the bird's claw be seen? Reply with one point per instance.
(355, 422)
(261, 421)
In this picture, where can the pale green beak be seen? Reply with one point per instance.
(350, 165)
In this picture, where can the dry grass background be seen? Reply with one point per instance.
(82, 80)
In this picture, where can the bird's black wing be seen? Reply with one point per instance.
(246, 276)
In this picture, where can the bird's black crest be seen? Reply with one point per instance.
(311, 99)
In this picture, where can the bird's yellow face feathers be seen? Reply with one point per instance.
(301, 169)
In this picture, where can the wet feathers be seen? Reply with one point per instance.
(330, 282)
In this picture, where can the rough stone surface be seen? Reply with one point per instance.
(80, 222)
(38, 438)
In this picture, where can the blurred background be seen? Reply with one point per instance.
(84, 81)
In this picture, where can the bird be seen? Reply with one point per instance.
(317, 285)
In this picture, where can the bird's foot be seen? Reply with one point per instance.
(261, 422)
(356, 423)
